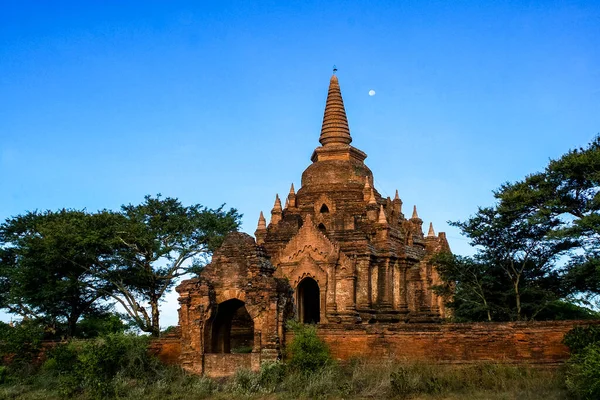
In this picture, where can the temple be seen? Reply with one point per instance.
(337, 253)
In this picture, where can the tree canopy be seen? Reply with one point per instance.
(62, 265)
(536, 247)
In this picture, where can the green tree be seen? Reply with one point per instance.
(569, 191)
(540, 240)
(47, 264)
(162, 240)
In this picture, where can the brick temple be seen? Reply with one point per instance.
(336, 253)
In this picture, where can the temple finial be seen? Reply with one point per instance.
(382, 219)
(262, 222)
(396, 197)
(367, 184)
(287, 203)
(261, 230)
(335, 129)
(414, 214)
(276, 211)
(372, 197)
(277, 205)
(292, 191)
(334, 69)
(431, 232)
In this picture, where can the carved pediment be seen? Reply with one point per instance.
(309, 241)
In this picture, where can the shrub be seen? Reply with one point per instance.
(308, 353)
(583, 373)
(578, 338)
(21, 343)
(93, 364)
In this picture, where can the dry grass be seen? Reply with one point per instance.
(356, 380)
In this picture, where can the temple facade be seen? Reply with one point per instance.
(336, 252)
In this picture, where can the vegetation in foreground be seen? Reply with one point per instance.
(119, 366)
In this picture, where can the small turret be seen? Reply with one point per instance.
(367, 189)
(372, 208)
(261, 229)
(397, 204)
(276, 211)
(291, 199)
(431, 232)
(418, 222)
(382, 219)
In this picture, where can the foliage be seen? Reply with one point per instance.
(308, 353)
(539, 242)
(47, 263)
(65, 265)
(21, 343)
(93, 365)
(580, 337)
(583, 368)
(100, 324)
(583, 374)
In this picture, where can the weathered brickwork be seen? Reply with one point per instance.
(516, 342)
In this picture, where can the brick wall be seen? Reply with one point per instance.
(517, 342)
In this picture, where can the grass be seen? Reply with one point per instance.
(354, 380)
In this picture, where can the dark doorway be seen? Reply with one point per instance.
(309, 299)
(231, 329)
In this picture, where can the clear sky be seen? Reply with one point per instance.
(102, 102)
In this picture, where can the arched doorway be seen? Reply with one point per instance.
(309, 300)
(230, 330)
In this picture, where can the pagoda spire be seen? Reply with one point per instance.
(382, 219)
(261, 230)
(396, 197)
(276, 211)
(414, 214)
(431, 232)
(335, 130)
(262, 222)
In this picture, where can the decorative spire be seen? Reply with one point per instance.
(287, 203)
(431, 232)
(367, 184)
(335, 128)
(396, 197)
(262, 222)
(382, 219)
(277, 205)
(292, 191)
(276, 211)
(372, 197)
(415, 215)
(291, 199)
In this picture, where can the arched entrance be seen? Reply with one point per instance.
(309, 300)
(230, 330)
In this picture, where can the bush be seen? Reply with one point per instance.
(20, 343)
(578, 338)
(93, 364)
(583, 373)
(93, 326)
(308, 353)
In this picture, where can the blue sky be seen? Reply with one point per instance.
(221, 102)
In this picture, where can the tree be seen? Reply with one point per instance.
(469, 287)
(569, 191)
(47, 261)
(540, 241)
(161, 240)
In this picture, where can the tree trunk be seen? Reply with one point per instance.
(155, 316)
(518, 300)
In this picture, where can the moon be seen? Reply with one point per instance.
(371, 92)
